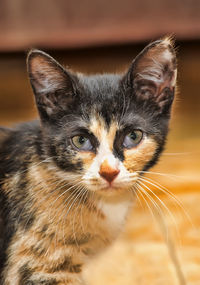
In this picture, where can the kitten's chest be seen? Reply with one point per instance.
(115, 214)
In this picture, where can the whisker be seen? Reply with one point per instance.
(170, 194)
(45, 197)
(83, 191)
(170, 245)
(172, 176)
(134, 190)
(83, 203)
(63, 193)
(153, 202)
(69, 198)
(162, 203)
(92, 205)
(79, 192)
(177, 153)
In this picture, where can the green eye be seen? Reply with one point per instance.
(82, 143)
(132, 139)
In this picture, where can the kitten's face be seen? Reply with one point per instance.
(102, 131)
(122, 151)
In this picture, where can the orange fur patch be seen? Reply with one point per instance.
(97, 126)
(136, 158)
(86, 157)
(100, 130)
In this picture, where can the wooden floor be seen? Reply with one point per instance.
(147, 253)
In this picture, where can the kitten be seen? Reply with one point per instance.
(66, 181)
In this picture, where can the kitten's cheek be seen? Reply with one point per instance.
(86, 158)
(136, 158)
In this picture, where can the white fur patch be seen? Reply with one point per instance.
(115, 212)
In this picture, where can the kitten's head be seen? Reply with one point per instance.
(103, 131)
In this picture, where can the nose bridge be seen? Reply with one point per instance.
(105, 147)
(105, 153)
(107, 141)
(109, 161)
(105, 134)
(108, 164)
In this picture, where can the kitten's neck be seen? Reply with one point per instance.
(116, 210)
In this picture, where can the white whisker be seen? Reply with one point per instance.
(83, 191)
(156, 207)
(162, 203)
(172, 176)
(69, 198)
(169, 194)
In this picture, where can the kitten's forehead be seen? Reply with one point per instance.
(103, 82)
(101, 94)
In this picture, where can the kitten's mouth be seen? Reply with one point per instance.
(112, 189)
(109, 188)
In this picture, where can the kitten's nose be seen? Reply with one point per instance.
(108, 172)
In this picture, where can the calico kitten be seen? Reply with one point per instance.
(66, 180)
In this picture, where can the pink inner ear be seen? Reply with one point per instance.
(169, 81)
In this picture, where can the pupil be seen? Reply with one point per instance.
(133, 136)
(82, 140)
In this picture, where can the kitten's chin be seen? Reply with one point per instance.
(111, 191)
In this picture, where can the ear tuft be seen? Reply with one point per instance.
(169, 40)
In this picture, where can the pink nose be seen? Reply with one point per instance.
(107, 172)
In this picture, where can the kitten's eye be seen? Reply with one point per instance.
(82, 143)
(133, 139)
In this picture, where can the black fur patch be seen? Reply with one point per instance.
(24, 275)
(79, 240)
(67, 265)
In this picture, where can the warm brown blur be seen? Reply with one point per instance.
(142, 250)
(75, 23)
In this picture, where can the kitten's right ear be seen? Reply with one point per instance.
(52, 85)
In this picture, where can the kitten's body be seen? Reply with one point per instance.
(62, 205)
(34, 217)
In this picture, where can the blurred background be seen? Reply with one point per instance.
(95, 36)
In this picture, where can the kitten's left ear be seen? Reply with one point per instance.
(53, 86)
(153, 74)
